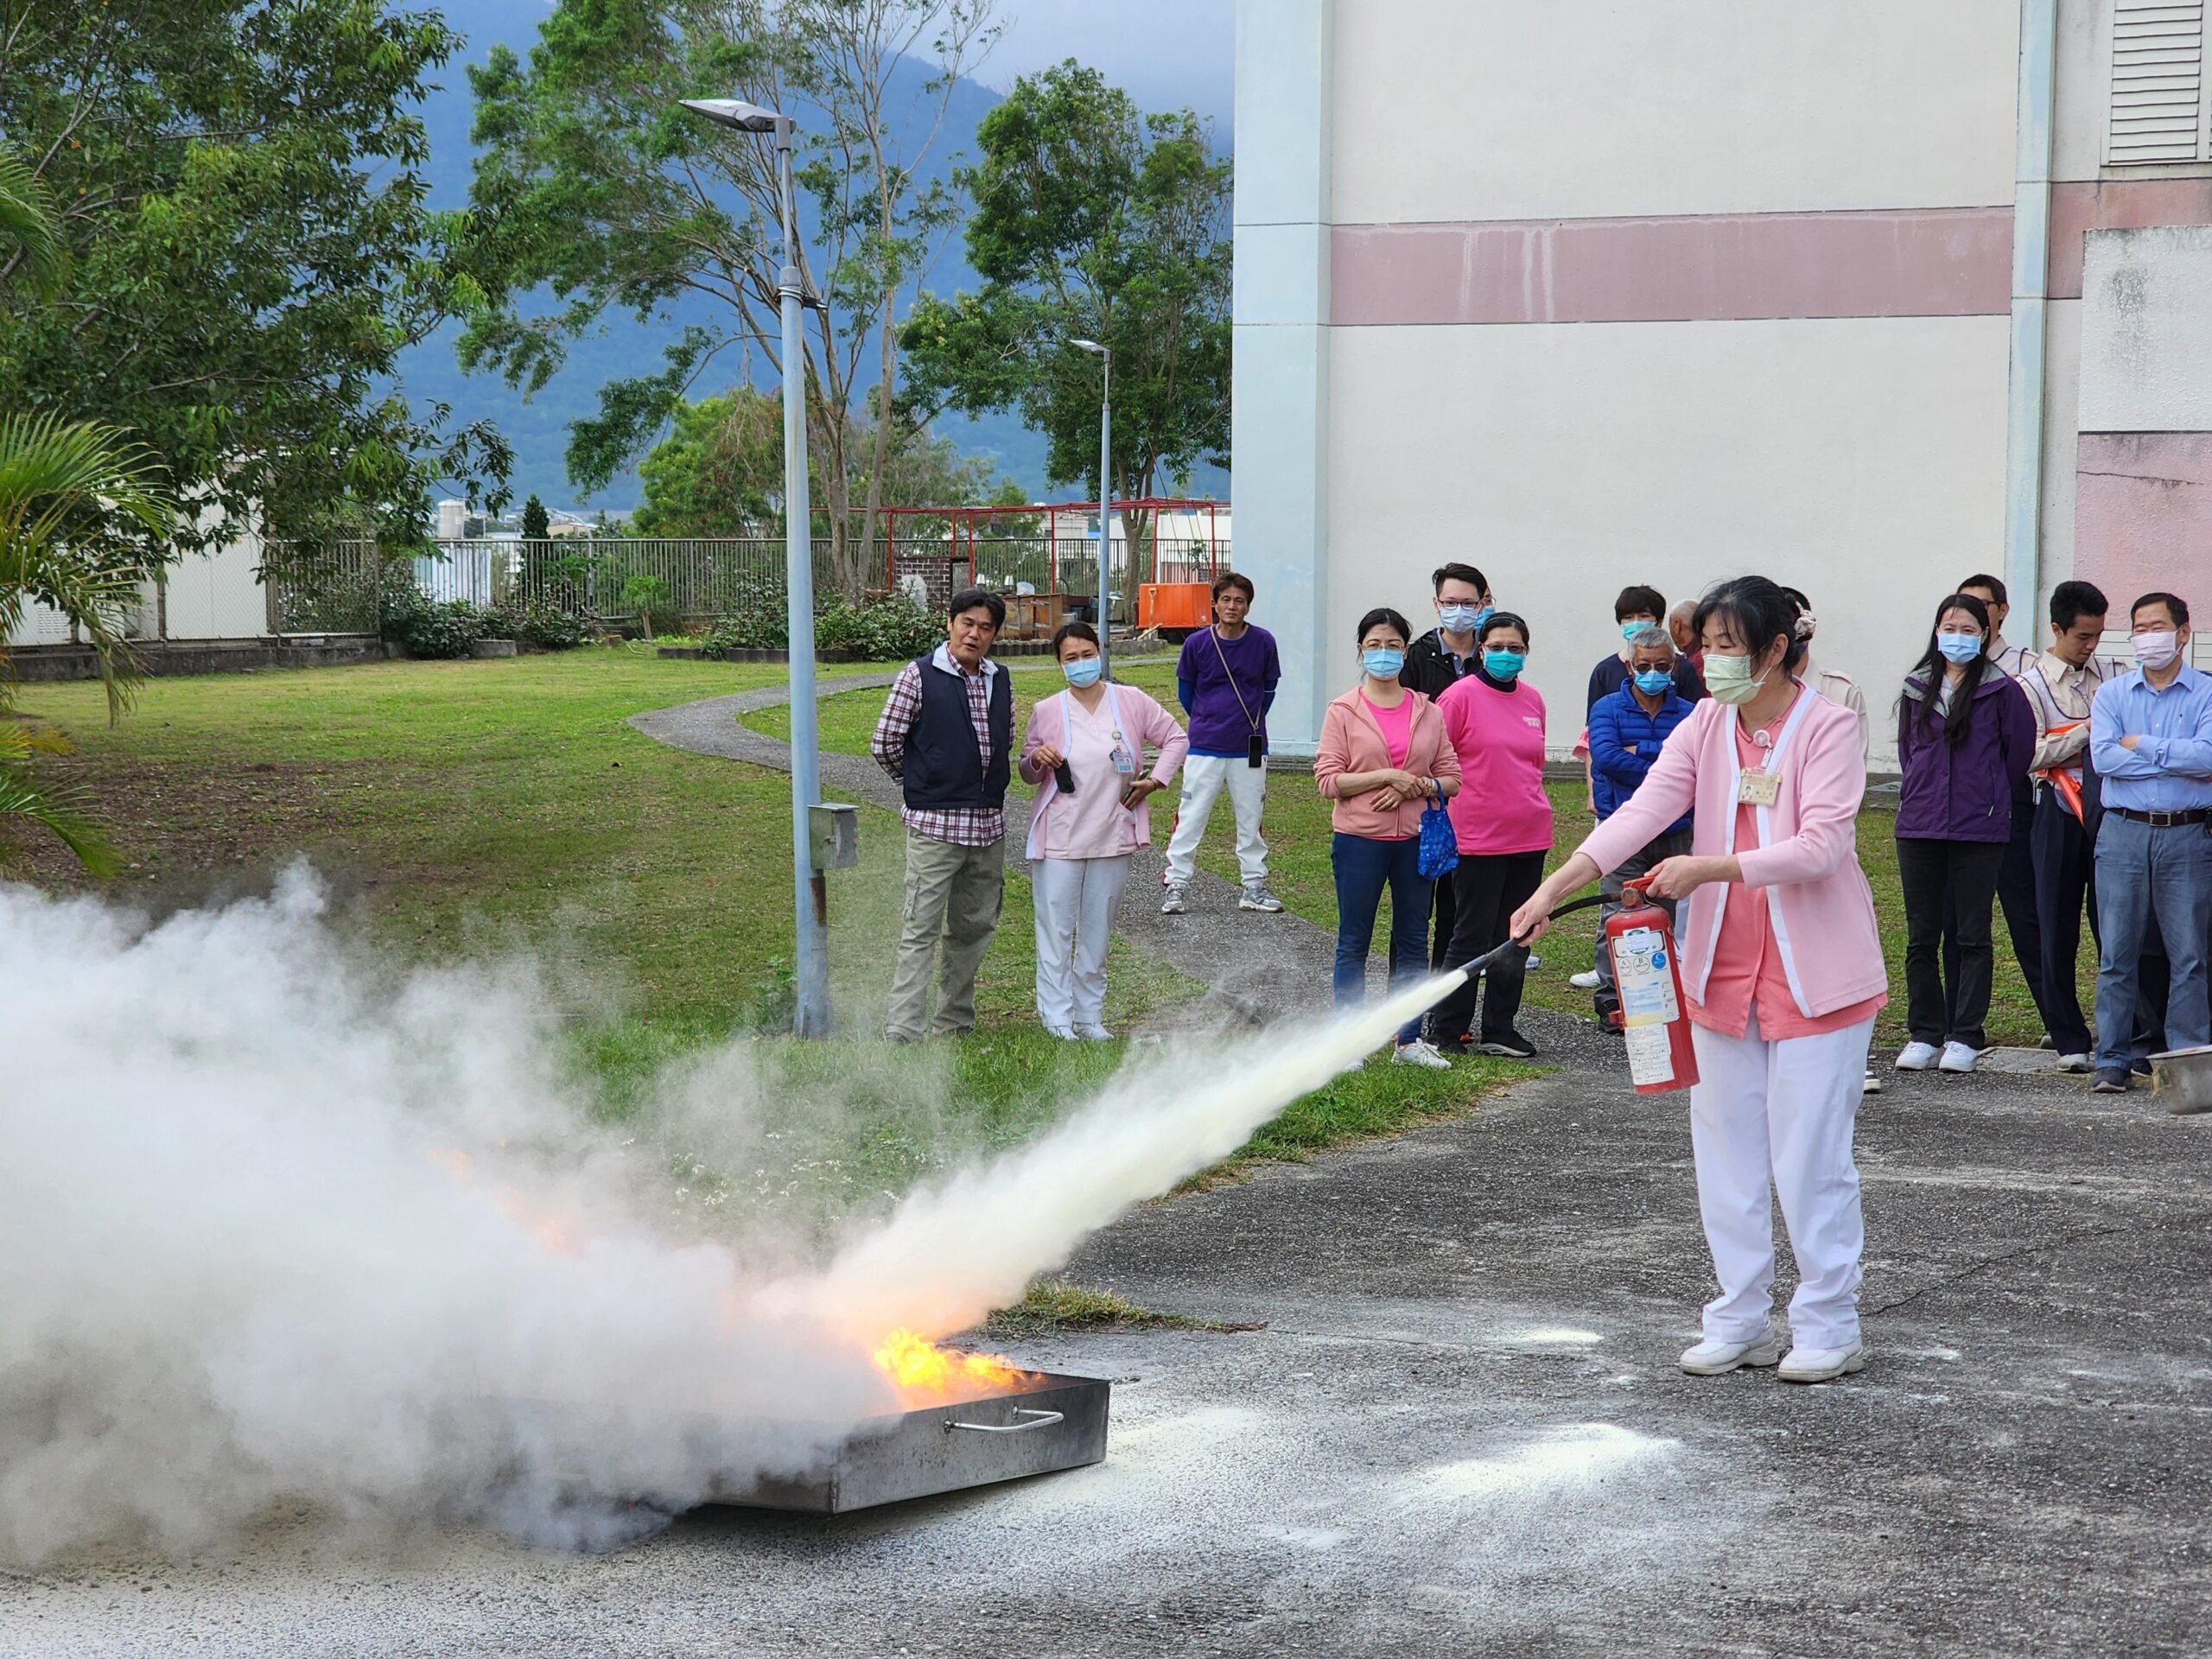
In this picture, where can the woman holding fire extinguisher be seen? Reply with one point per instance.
(1782, 972)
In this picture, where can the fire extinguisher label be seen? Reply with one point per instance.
(1645, 980)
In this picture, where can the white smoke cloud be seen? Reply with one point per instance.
(278, 1225)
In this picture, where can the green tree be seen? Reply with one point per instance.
(245, 250)
(592, 182)
(536, 526)
(720, 472)
(1091, 221)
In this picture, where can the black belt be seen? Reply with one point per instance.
(2165, 820)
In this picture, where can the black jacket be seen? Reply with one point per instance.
(1429, 666)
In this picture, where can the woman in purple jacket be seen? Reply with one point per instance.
(1965, 736)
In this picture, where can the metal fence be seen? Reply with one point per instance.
(338, 588)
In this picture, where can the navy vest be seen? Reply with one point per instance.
(943, 765)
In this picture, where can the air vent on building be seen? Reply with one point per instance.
(2157, 82)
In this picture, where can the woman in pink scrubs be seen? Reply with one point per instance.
(1092, 735)
(1782, 967)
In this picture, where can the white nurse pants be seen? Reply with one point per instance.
(1074, 900)
(1772, 1119)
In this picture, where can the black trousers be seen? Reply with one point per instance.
(1490, 886)
(2066, 886)
(2016, 896)
(1447, 912)
(1954, 880)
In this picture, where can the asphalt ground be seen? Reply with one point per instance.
(1461, 1432)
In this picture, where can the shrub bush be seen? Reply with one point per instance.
(534, 623)
(884, 630)
(427, 628)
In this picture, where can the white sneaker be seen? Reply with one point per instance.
(1958, 1057)
(1534, 963)
(1710, 1359)
(1418, 1052)
(1094, 1034)
(1823, 1365)
(1172, 903)
(1872, 1086)
(1255, 896)
(1585, 981)
(2076, 1063)
(1916, 1057)
(1066, 1033)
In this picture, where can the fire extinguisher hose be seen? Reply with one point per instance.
(1497, 954)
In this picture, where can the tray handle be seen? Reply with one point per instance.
(1036, 1420)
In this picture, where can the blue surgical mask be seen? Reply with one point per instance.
(1083, 670)
(1382, 665)
(1630, 629)
(1459, 618)
(1484, 615)
(1653, 681)
(1959, 647)
(1504, 664)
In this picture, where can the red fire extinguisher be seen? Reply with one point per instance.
(1653, 1017)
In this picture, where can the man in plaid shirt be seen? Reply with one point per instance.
(945, 734)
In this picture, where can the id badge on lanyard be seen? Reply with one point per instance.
(1124, 762)
(1758, 788)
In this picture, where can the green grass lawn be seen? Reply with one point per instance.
(1298, 834)
(474, 808)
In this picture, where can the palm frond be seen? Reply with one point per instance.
(70, 492)
(30, 230)
(64, 812)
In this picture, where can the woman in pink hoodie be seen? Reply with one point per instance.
(1782, 967)
(1383, 758)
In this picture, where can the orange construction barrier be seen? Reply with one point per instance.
(1174, 604)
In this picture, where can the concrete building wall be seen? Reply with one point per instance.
(1611, 292)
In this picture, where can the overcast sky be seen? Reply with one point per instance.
(1163, 52)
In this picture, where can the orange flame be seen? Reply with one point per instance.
(928, 1374)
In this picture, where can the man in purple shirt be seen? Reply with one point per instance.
(1225, 679)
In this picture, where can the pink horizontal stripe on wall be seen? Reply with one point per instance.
(2143, 514)
(2116, 205)
(1944, 261)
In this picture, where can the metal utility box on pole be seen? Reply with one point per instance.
(811, 953)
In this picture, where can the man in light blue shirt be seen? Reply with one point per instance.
(2151, 741)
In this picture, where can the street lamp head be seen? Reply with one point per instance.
(1091, 345)
(736, 112)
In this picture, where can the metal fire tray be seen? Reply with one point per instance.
(1054, 1423)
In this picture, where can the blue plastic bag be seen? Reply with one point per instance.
(1439, 842)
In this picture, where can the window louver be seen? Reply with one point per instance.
(2157, 82)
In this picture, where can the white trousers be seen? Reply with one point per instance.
(1075, 899)
(1204, 777)
(1770, 1119)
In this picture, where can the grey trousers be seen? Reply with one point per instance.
(953, 895)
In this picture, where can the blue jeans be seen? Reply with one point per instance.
(1364, 868)
(2149, 876)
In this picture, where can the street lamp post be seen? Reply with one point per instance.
(1105, 490)
(811, 1017)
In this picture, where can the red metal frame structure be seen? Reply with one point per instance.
(964, 519)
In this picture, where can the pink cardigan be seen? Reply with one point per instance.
(1818, 898)
(1352, 741)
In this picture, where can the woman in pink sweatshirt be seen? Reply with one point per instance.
(1503, 821)
(1382, 758)
(1782, 969)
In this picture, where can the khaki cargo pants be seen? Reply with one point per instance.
(953, 894)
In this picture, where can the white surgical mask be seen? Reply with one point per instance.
(1458, 619)
(2158, 648)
